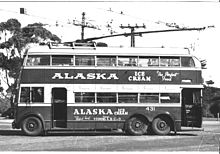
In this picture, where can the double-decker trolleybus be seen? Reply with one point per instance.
(83, 87)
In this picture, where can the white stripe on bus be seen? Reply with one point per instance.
(106, 104)
(110, 68)
(134, 88)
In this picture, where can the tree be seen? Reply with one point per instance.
(215, 108)
(211, 101)
(16, 43)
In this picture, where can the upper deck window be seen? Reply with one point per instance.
(106, 61)
(85, 60)
(62, 60)
(170, 61)
(35, 60)
(187, 62)
(148, 61)
(127, 61)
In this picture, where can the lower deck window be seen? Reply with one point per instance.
(127, 97)
(149, 98)
(25, 95)
(84, 97)
(32, 94)
(170, 98)
(91, 97)
(106, 98)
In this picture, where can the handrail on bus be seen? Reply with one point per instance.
(72, 45)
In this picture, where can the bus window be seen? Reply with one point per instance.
(25, 95)
(170, 61)
(106, 61)
(153, 61)
(38, 60)
(164, 62)
(85, 60)
(127, 97)
(106, 97)
(127, 61)
(62, 60)
(170, 98)
(143, 61)
(37, 94)
(175, 62)
(81, 97)
(149, 98)
(187, 62)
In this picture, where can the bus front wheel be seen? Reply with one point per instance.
(161, 126)
(136, 126)
(32, 126)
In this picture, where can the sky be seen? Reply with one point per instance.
(58, 17)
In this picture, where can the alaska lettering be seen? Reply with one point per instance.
(84, 76)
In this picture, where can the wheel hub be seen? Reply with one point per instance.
(31, 125)
(137, 124)
(162, 124)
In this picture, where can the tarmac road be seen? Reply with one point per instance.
(187, 140)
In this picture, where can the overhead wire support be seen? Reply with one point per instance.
(83, 25)
(133, 34)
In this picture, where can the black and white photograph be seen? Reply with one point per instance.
(110, 76)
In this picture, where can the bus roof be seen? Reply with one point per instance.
(137, 51)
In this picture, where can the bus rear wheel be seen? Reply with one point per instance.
(136, 126)
(32, 126)
(161, 126)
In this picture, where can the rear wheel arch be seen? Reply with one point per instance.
(140, 116)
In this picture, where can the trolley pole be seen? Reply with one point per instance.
(132, 34)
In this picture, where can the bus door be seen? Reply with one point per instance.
(191, 115)
(59, 108)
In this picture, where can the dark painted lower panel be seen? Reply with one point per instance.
(97, 117)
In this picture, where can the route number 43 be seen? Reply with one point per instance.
(150, 108)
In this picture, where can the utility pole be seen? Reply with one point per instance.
(23, 11)
(84, 25)
(132, 34)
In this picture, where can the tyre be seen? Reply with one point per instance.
(161, 126)
(32, 126)
(136, 126)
